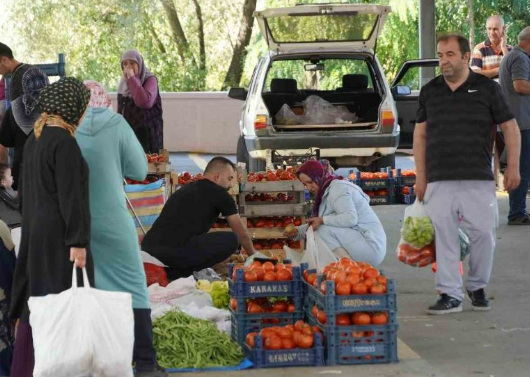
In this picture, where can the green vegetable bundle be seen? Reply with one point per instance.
(418, 231)
(220, 295)
(185, 342)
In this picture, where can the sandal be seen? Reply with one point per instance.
(523, 220)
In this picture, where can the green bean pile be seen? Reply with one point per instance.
(185, 342)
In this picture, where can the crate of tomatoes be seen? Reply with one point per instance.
(405, 177)
(358, 337)
(405, 194)
(298, 344)
(373, 181)
(347, 286)
(380, 196)
(261, 313)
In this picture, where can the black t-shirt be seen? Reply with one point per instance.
(11, 136)
(190, 211)
(461, 127)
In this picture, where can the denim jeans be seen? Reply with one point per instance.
(518, 196)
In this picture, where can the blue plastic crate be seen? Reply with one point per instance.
(240, 288)
(371, 344)
(332, 303)
(241, 308)
(263, 358)
(404, 181)
(382, 200)
(242, 324)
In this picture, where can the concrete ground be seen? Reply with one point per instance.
(489, 344)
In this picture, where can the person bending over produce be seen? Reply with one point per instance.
(112, 153)
(179, 237)
(342, 216)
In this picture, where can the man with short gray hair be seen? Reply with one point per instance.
(487, 55)
(514, 77)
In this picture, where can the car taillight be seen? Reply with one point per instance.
(387, 121)
(260, 122)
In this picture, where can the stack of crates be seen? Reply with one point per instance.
(405, 196)
(369, 344)
(380, 190)
(244, 323)
(240, 290)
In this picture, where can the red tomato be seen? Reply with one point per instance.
(268, 266)
(307, 329)
(233, 304)
(379, 318)
(273, 342)
(305, 341)
(361, 319)
(291, 308)
(269, 276)
(314, 311)
(259, 271)
(279, 307)
(285, 333)
(360, 289)
(343, 320)
(343, 289)
(250, 276)
(321, 317)
(284, 275)
(378, 289)
(288, 344)
(249, 339)
(299, 325)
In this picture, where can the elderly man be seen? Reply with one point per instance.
(487, 55)
(514, 78)
(453, 141)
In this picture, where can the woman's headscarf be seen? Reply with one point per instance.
(27, 83)
(63, 103)
(99, 97)
(143, 72)
(322, 177)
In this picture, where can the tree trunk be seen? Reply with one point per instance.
(471, 19)
(235, 71)
(202, 48)
(177, 32)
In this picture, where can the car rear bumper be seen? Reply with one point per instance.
(326, 141)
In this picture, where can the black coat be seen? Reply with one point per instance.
(54, 200)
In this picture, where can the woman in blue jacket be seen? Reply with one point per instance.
(342, 216)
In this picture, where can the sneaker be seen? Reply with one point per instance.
(478, 300)
(445, 305)
(523, 220)
(158, 371)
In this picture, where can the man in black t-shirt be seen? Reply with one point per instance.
(179, 237)
(453, 140)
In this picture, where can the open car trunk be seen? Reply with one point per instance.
(350, 111)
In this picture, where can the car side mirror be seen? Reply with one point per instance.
(402, 90)
(238, 93)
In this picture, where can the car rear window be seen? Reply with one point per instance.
(329, 76)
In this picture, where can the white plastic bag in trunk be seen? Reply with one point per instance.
(82, 332)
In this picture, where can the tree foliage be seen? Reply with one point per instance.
(190, 44)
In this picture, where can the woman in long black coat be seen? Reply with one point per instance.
(55, 210)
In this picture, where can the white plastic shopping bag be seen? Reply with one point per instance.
(82, 332)
(317, 254)
(416, 246)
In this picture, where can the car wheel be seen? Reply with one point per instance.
(253, 164)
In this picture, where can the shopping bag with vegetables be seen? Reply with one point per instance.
(416, 246)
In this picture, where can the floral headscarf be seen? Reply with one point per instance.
(322, 177)
(63, 104)
(99, 97)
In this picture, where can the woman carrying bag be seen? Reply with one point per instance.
(341, 216)
(55, 208)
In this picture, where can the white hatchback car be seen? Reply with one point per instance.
(326, 51)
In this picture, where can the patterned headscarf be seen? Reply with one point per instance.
(27, 83)
(99, 97)
(143, 72)
(63, 104)
(318, 174)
